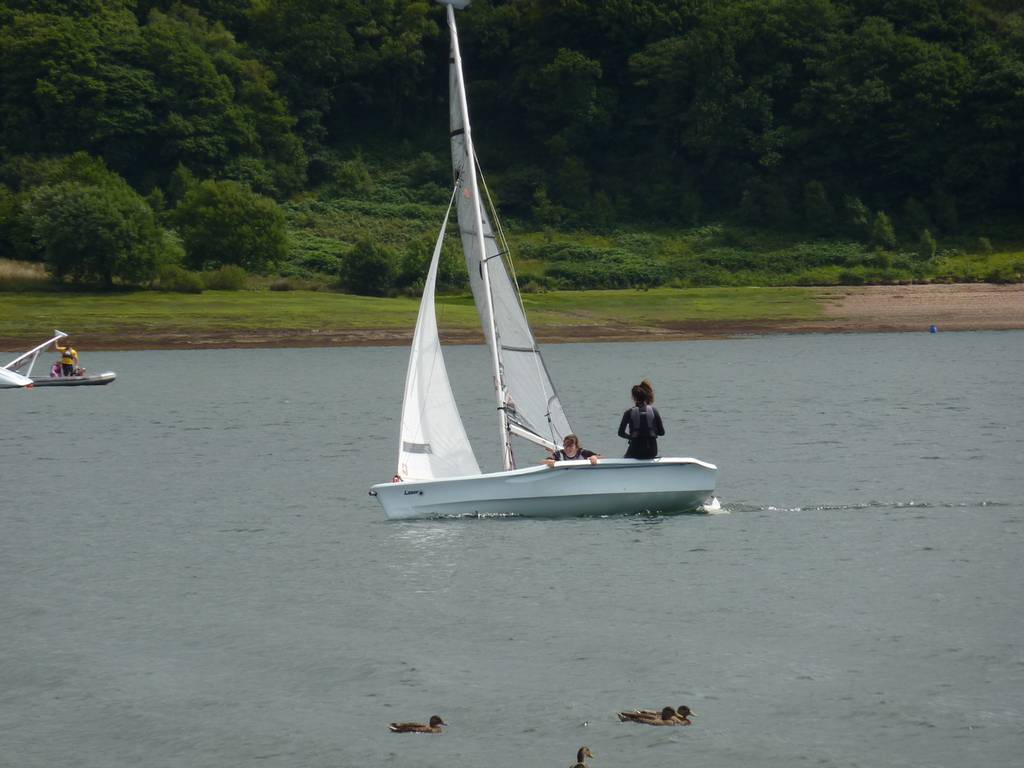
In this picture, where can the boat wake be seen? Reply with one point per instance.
(868, 506)
(713, 507)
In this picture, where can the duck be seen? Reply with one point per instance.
(581, 757)
(667, 716)
(433, 727)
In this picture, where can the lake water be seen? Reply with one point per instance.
(192, 573)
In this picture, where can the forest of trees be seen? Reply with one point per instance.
(142, 135)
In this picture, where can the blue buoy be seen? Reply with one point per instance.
(933, 329)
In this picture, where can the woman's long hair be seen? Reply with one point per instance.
(643, 393)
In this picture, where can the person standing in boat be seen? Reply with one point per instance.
(571, 451)
(641, 425)
(68, 357)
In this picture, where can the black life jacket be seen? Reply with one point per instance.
(641, 425)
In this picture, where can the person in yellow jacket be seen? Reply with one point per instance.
(68, 357)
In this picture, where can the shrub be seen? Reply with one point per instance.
(369, 270)
(601, 212)
(352, 179)
(546, 212)
(882, 233)
(849, 277)
(926, 246)
(879, 260)
(564, 252)
(533, 285)
(229, 277)
(282, 284)
(857, 218)
(177, 279)
(1002, 274)
(613, 270)
(309, 252)
(23, 276)
(707, 275)
(425, 169)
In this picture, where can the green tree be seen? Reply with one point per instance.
(545, 211)
(72, 79)
(883, 235)
(348, 64)
(369, 269)
(118, 236)
(857, 218)
(564, 96)
(93, 232)
(224, 222)
(176, 89)
(11, 238)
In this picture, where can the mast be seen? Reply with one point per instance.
(470, 176)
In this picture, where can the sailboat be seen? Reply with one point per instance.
(438, 474)
(11, 375)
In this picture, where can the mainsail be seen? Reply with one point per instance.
(527, 395)
(433, 440)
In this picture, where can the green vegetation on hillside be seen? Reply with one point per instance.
(634, 143)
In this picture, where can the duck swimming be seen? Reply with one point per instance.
(433, 727)
(581, 758)
(666, 716)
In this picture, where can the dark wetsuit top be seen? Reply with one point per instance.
(582, 455)
(641, 426)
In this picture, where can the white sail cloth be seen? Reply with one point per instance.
(531, 401)
(433, 440)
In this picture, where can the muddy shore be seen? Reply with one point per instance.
(868, 309)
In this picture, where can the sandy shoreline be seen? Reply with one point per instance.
(867, 309)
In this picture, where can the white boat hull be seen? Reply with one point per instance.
(12, 379)
(570, 489)
(75, 381)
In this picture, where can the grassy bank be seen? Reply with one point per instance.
(139, 315)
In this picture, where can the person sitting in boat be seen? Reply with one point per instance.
(55, 370)
(68, 357)
(571, 451)
(641, 425)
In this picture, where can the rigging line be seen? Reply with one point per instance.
(504, 247)
(498, 229)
